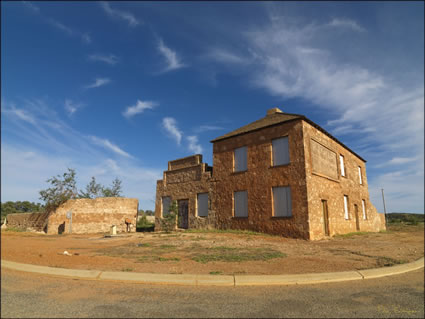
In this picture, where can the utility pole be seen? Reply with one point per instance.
(385, 210)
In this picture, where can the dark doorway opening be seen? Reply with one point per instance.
(356, 213)
(183, 213)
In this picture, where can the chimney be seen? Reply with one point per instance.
(274, 111)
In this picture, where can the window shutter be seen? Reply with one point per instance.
(280, 149)
(341, 164)
(364, 209)
(241, 204)
(203, 205)
(166, 202)
(360, 175)
(282, 203)
(241, 159)
(345, 206)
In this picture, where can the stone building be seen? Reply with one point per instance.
(282, 174)
(88, 216)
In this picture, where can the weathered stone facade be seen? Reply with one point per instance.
(184, 180)
(313, 175)
(30, 221)
(94, 215)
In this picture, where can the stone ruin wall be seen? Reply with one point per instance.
(94, 215)
(324, 182)
(28, 221)
(259, 179)
(186, 178)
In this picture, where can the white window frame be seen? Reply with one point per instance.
(162, 206)
(278, 152)
(237, 160)
(240, 211)
(197, 204)
(364, 209)
(341, 164)
(360, 175)
(286, 202)
(346, 212)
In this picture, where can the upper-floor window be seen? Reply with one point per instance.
(341, 164)
(240, 159)
(346, 207)
(282, 204)
(360, 175)
(166, 202)
(280, 152)
(202, 205)
(241, 204)
(364, 209)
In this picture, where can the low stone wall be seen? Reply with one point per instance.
(29, 221)
(94, 215)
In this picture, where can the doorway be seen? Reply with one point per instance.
(356, 214)
(183, 213)
(325, 217)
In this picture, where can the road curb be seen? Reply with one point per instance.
(216, 280)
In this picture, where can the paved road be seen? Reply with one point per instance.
(32, 295)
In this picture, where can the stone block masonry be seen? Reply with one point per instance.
(30, 221)
(94, 215)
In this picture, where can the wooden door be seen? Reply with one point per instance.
(183, 213)
(356, 213)
(325, 217)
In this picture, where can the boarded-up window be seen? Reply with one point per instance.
(341, 163)
(241, 204)
(364, 209)
(346, 207)
(240, 159)
(280, 151)
(324, 160)
(203, 205)
(360, 175)
(282, 204)
(166, 202)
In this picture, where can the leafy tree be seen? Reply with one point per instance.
(168, 221)
(114, 191)
(62, 188)
(148, 212)
(93, 189)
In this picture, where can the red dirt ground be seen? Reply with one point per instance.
(173, 253)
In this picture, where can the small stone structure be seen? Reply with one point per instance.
(94, 215)
(318, 173)
(88, 216)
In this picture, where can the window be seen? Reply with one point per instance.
(360, 175)
(364, 209)
(282, 204)
(203, 205)
(280, 152)
(346, 207)
(241, 204)
(166, 202)
(240, 159)
(341, 164)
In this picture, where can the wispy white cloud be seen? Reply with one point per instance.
(205, 128)
(110, 59)
(139, 107)
(98, 82)
(225, 56)
(123, 15)
(172, 60)
(170, 125)
(19, 113)
(71, 107)
(86, 38)
(194, 146)
(32, 6)
(346, 23)
(108, 145)
(61, 26)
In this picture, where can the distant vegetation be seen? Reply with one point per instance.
(19, 207)
(407, 218)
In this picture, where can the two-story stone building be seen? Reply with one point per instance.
(282, 174)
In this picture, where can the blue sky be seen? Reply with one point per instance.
(117, 89)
